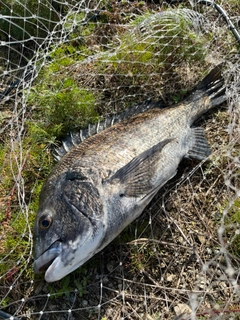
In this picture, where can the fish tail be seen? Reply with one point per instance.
(213, 85)
(209, 93)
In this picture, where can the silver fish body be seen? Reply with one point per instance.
(102, 184)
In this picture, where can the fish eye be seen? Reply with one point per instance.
(45, 222)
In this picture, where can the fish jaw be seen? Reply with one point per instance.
(46, 258)
(64, 258)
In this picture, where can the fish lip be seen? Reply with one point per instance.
(42, 263)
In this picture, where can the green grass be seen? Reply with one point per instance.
(161, 44)
(62, 105)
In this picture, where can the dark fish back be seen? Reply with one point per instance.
(75, 138)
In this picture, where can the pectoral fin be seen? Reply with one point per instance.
(134, 178)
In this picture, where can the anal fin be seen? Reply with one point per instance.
(199, 146)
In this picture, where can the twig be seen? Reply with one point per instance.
(213, 311)
(8, 210)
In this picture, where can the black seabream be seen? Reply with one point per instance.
(103, 183)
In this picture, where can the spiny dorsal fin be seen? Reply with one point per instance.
(75, 138)
(134, 179)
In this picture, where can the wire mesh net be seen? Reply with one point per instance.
(64, 65)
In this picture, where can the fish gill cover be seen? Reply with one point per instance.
(64, 65)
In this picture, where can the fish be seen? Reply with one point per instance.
(103, 182)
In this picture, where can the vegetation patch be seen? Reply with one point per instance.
(26, 25)
(234, 219)
(18, 177)
(63, 106)
(155, 47)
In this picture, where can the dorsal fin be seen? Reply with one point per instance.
(75, 138)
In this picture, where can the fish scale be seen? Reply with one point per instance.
(105, 181)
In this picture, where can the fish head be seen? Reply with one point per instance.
(69, 225)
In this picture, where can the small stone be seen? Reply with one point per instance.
(182, 308)
(84, 303)
(202, 239)
(105, 280)
(170, 277)
(110, 267)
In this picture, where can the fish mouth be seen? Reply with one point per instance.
(42, 263)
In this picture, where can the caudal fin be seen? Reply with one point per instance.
(209, 93)
(213, 86)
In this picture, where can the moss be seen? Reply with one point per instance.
(235, 210)
(164, 40)
(67, 54)
(63, 106)
(59, 103)
(15, 234)
(147, 55)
